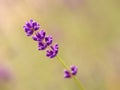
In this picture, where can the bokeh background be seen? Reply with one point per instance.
(88, 33)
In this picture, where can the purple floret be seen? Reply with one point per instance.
(41, 46)
(39, 36)
(30, 27)
(48, 40)
(74, 69)
(53, 52)
(67, 74)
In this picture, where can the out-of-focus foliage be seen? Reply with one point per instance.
(88, 33)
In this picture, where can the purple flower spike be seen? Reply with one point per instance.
(39, 36)
(53, 52)
(41, 46)
(48, 40)
(74, 69)
(30, 27)
(67, 74)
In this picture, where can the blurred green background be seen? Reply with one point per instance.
(88, 33)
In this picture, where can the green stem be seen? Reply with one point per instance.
(74, 78)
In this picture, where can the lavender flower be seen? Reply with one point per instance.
(67, 74)
(43, 40)
(73, 71)
(53, 52)
(30, 27)
(42, 46)
(39, 36)
(48, 40)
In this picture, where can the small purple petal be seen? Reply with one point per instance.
(67, 74)
(36, 28)
(74, 69)
(42, 34)
(41, 46)
(28, 25)
(31, 20)
(48, 40)
(29, 33)
(34, 38)
(34, 24)
(49, 53)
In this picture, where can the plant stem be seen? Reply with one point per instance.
(74, 78)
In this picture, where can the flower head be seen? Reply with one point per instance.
(53, 52)
(42, 46)
(39, 36)
(43, 40)
(73, 71)
(48, 40)
(67, 74)
(30, 27)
